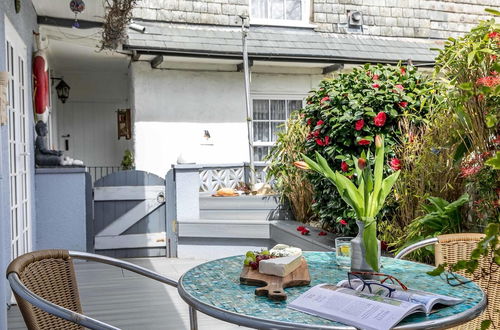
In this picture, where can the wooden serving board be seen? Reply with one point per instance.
(273, 286)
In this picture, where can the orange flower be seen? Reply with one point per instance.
(302, 165)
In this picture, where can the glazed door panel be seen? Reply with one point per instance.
(18, 141)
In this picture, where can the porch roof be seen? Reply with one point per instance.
(275, 43)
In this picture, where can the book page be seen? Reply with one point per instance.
(426, 299)
(352, 307)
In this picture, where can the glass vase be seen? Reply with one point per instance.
(358, 251)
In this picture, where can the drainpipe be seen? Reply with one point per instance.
(246, 72)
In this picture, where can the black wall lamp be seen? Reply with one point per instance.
(62, 89)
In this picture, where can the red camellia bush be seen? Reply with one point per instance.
(345, 114)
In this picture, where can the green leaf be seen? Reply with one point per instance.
(492, 11)
(485, 324)
(437, 271)
(387, 185)
(494, 161)
(371, 244)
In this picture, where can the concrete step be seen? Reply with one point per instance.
(238, 214)
(224, 228)
(240, 202)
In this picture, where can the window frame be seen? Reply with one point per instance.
(270, 97)
(303, 22)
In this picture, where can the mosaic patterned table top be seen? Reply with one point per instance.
(217, 283)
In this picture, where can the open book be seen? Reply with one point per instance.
(364, 310)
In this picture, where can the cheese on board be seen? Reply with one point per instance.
(280, 266)
(283, 250)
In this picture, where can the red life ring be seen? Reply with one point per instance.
(41, 85)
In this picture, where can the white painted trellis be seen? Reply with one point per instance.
(130, 213)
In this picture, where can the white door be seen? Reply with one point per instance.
(20, 195)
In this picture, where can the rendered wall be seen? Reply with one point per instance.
(393, 18)
(63, 213)
(172, 108)
(25, 23)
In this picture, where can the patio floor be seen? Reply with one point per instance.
(130, 301)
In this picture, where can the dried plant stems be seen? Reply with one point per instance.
(117, 17)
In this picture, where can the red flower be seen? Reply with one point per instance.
(343, 222)
(309, 136)
(322, 233)
(320, 122)
(496, 141)
(380, 119)
(300, 228)
(361, 163)
(395, 164)
(375, 85)
(403, 104)
(402, 70)
(493, 58)
(489, 81)
(399, 86)
(320, 142)
(344, 167)
(359, 125)
(363, 142)
(375, 77)
(315, 133)
(326, 98)
(305, 231)
(327, 140)
(309, 122)
(493, 35)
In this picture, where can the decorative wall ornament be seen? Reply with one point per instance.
(17, 6)
(124, 124)
(76, 6)
(118, 16)
(41, 83)
(4, 101)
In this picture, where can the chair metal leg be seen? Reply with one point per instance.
(193, 319)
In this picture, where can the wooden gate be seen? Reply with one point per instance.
(129, 215)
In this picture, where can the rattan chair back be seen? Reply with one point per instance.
(51, 275)
(454, 247)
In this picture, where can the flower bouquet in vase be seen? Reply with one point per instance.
(366, 199)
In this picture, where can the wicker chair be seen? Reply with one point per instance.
(45, 287)
(454, 247)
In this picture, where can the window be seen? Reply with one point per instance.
(269, 117)
(280, 12)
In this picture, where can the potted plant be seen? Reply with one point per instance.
(367, 199)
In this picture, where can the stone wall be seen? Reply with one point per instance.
(403, 18)
(395, 18)
(218, 12)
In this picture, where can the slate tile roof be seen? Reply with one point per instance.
(278, 42)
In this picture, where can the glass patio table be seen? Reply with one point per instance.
(214, 288)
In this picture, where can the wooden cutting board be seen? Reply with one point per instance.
(273, 286)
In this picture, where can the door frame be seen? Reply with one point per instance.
(19, 138)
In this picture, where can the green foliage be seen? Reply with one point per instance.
(335, 111)
(494, 161)
(441, 218)
(128, 160)
(291, 182)
(470, 69)
(367, 198)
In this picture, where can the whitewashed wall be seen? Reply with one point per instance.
(172, 108)
(89, 116)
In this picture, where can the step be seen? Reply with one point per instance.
(240, 214)
(224, 228)
(246, 202)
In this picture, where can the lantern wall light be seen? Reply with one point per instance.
(62, 89)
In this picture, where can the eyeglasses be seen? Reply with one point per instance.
(453, 280)
(375, 287)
